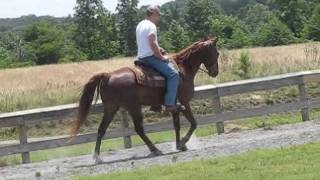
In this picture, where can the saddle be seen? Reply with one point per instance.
(147, 76)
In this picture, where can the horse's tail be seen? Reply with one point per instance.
(87, 98)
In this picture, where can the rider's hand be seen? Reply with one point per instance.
(163, 52)
(165, 58)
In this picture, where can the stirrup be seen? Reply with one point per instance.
(175, 108)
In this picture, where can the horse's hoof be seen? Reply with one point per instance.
(97, 159)
(157, 109)
(182, 147)
(155, 153)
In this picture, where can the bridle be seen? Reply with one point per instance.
(203, 70)
(206, 71)
(200, 68)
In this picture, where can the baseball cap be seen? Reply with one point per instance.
(154, 9)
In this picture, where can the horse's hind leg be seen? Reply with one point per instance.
(136, 115)
(109, 111)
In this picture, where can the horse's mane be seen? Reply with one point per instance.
(185, 54)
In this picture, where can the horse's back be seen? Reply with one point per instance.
(122, 77)
(122, 87)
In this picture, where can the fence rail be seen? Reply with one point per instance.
(23, 119)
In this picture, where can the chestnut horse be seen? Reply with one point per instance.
(120, 89)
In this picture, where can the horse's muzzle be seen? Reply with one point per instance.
(213, 72)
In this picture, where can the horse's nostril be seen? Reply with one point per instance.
(214, 73)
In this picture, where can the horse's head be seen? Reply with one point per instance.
(201, 52)
(208, 55)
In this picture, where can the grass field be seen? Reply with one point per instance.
(48, 85)
(294, 163)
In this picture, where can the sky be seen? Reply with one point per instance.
(57, 8)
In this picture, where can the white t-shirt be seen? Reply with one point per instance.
(143, 30)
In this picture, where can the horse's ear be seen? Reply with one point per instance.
(206, 38)
(214, 40)
(207, 43)
(211, 41)
(202, 39)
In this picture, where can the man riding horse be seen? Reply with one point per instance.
(124, 88)
(150, 54)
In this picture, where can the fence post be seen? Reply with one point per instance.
(24, 141)
(218, 110)
(303, 97)
(125, 124)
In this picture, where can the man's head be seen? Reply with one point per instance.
(153, 13)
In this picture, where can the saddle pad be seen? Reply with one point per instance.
(147, 76)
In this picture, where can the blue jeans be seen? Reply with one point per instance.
(169, 72)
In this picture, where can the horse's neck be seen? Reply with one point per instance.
(190, 71)
(191, 68)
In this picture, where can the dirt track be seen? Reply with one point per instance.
(199, 148)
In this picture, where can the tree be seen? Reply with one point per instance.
(4, 55)
(11, 41)
(230, 30)
(127, 20)
(70, 51)
(43, 43)
(275, 33)
(312, 28)
(95, 32)
(198, 15)
(232, 7)
(175, 38)
(254, 16)
(172, 11)
(294, 13)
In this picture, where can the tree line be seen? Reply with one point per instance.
(94, 33)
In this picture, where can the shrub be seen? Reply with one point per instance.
(230, 30)
(275, 33)
(244, 66)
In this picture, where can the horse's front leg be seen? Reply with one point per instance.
(176, 124)
(193, 125)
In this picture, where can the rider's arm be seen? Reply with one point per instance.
(154, 46)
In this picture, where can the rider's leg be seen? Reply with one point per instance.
(168, 70)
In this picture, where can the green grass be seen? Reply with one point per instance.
(270, 121)
(298, 162)
(266, 122)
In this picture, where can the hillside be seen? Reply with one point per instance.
(13, 24)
